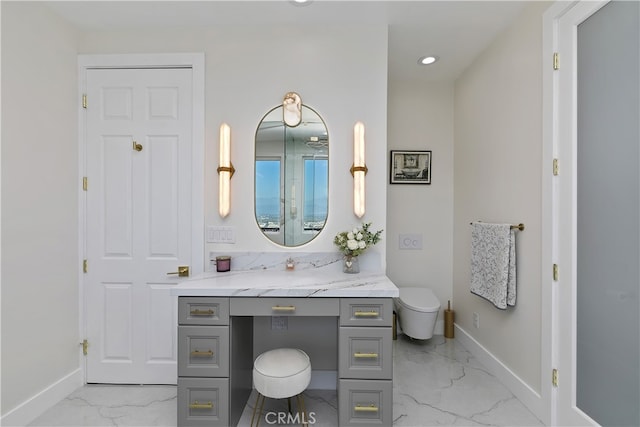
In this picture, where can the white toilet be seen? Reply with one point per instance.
(417, 310)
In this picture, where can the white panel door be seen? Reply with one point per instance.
(138, 220)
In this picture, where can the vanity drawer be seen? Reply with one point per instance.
(365, 353)
(203, 351)
(284, 307)
(366, 312)
(203, 311)
(203, 402)
(365, 402)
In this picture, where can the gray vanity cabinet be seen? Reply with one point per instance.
(365, 362)
(215, 355)
(203, 401)
(365, 353)
(203, 351)
(203, 361)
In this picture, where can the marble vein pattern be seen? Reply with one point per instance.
(114, 405)
(437, 382)
(315, 275)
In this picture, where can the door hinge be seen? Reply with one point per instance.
(85, 183)
(554, 377)
(84, 100)
(555, 166)
(85, 346)
(85, 266)
(556, 61)
(555, 272)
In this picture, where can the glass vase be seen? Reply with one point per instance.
(351, 264)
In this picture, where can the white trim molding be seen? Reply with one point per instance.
(528, 396)
(36, 405)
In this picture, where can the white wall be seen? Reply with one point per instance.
(495, 116)
(421, 118)
(497, 175)
(39, 202)
(248, 71)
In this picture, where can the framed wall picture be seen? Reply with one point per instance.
(410, 167)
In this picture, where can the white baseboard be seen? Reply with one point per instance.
(36, 405)
(528, 396)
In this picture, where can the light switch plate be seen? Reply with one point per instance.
(217, 234)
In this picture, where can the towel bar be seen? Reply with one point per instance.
(518, 226)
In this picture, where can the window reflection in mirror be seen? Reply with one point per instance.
(316, 182)
(292, 177)
(268, 178)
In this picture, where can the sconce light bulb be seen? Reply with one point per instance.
(359, 170)
(224, 176)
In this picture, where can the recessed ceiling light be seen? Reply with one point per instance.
(426, 60)
(300, 2)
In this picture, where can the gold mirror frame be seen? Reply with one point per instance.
(291, 191)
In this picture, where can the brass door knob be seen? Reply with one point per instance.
(183, 271)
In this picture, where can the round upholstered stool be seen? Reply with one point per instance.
(281, 373)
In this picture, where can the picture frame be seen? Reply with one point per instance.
(410, 167)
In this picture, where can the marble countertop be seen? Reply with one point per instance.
(297, 283)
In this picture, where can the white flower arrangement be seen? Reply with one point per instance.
(354, 242)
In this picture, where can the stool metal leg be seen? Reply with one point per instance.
(303, 409)
(255, 408)
(289, 405)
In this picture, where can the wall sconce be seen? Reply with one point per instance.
(225, 171)
(358, 170)
(292, 109)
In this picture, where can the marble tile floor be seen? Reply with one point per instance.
(437, 382)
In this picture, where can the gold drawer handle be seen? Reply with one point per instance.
(197, 405)
(198, 312)
(365, 355)
(366, 314)
(284, 308)
(370, 408)
(198, 353)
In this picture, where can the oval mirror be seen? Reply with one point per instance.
(292, 177)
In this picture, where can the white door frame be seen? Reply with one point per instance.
(549, 211)
(558, 140)
(195, 61)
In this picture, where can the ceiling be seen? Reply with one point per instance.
(455, 31)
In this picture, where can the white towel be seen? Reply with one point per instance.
(493, 263)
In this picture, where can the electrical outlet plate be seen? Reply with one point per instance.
(476, 320)
(279, 323)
